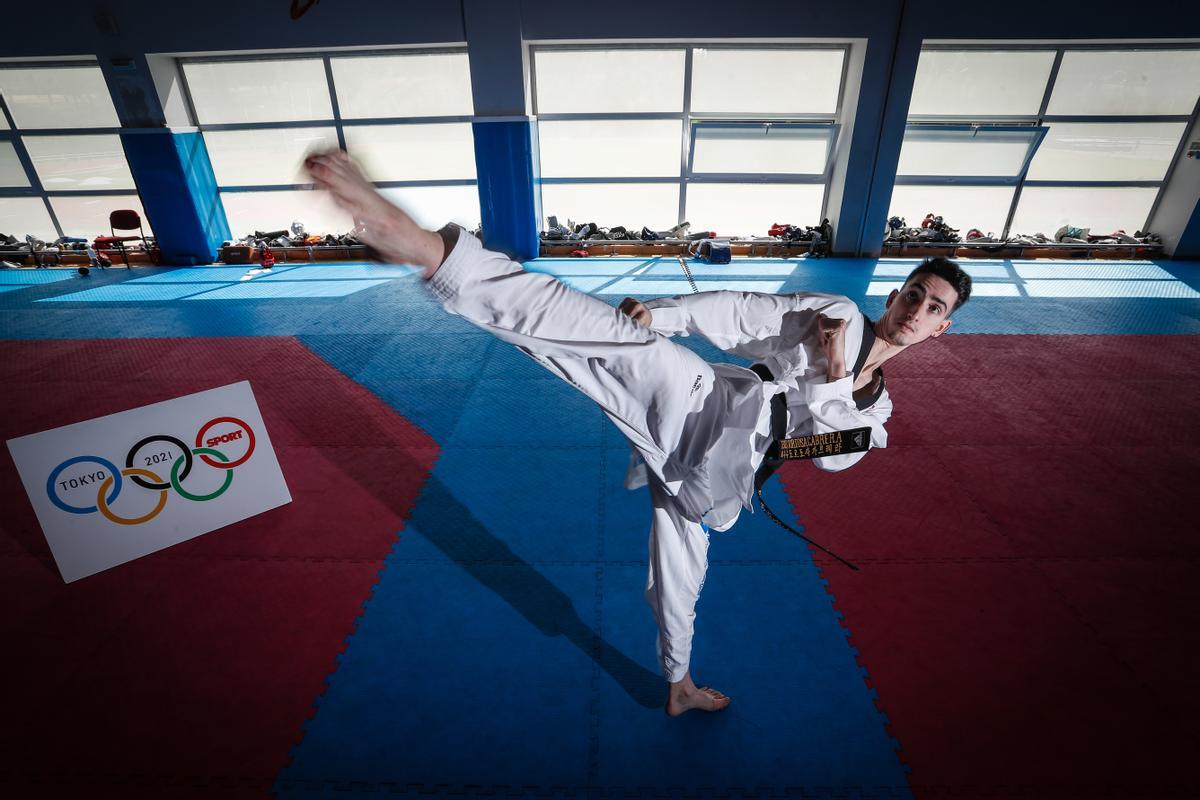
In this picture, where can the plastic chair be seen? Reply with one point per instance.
(126, 220)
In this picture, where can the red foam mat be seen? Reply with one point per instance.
(1027, 605)
(192, 670)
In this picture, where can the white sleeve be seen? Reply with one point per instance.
(833, 409)
(749, 324)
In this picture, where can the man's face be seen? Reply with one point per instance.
(917, 311)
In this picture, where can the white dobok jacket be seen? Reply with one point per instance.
(699, 430)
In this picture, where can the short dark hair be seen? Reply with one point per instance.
(950, 272)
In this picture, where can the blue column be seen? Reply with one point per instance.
(1188, 245)
(506, 155)
(891, 135)
(506, 162)
(179, 193)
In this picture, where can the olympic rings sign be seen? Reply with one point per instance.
(110, 480)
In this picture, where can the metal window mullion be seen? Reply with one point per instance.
(333, 102)
(1179, 151)
(1095, 184)
(611, 179)
(187, 92)
(314, 54)
(285, 187)
(1041, 117)
(685, 135)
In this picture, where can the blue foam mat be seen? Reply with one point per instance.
(1093, 302)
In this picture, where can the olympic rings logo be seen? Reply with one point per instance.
(111, 479)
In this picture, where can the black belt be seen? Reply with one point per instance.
(771, 461)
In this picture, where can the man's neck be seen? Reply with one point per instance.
(882, 350)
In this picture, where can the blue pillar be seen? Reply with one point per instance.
(506, 155)
(903, 76)
(506, 162)
(179, 193)
(1188, 245)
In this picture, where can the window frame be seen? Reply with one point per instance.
(15, 136)
(336, 121)
(1041, 120)
(690, 120)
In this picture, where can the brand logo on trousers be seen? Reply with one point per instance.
(696, 385)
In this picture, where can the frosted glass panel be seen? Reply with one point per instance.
(1046, 209)
(258, 157)
(633, 205)
(958, 83)
(1127, 82)
(58, 97)
(766, 81)
(609, 81)
(603, 148)
(962, 207)
(733, 209)
(20, 216)
(259, 91)
(11, 171)
(79, 162)
(420, 85)
(983, 153)
(434, 206)
(271, 211)
(761, 149)
(1122, 151)
(88, 216)
(413, 152)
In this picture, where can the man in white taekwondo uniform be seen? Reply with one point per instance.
(699, 431)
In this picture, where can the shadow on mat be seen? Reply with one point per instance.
(452, 528)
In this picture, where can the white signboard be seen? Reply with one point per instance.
(113, 489)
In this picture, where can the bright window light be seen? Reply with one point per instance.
(417, 85)
(92, 161)
(275, 210)
(11, 171)
(766, 81)
(1156, 289)
(609, 81)
(1110, 151)
(20, 216)
(962, 207)
(883, 288)
(980, 84)
(284, 90)
(761, 149)
(1045, 209)
(58, 97)
(1088, 269)
(1127, 82)
(610, 148)
(265, 156)
(434, 206)
(933, 151)
(88, 216)
(732, 209)
(632, 205)
(413, 152)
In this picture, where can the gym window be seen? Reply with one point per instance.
(62, 167)
(729, 138)
(404, 116)
(1104, 128)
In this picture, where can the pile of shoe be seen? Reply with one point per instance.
(819, 238)
(1069, 234)
(294, 236)
(933, 230)
(590, 231)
